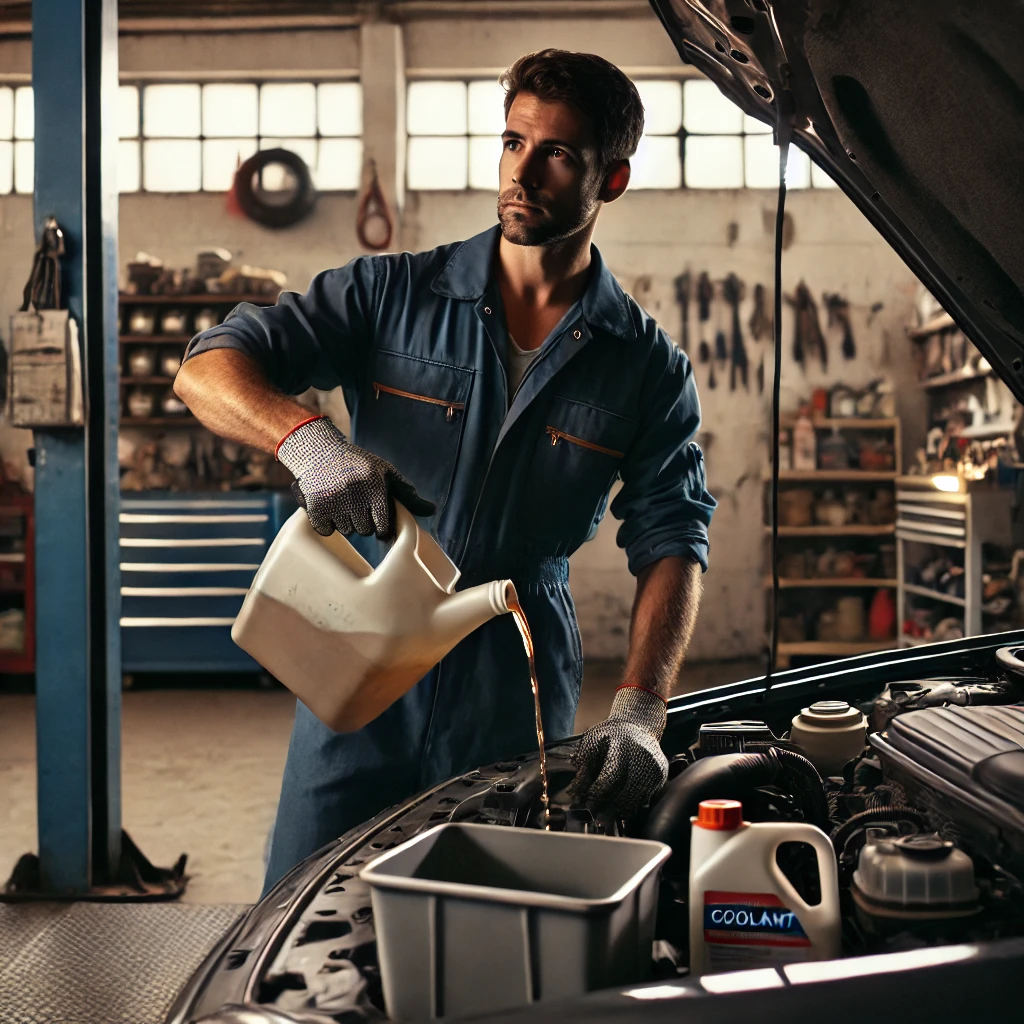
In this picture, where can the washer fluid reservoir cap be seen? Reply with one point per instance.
(720, 815)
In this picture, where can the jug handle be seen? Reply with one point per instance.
(828, 870)
(410, 540)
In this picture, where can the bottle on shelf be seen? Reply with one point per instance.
(805, 446)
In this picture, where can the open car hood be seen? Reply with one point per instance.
(916, 109)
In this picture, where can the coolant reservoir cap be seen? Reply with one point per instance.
(720, 815)
(923, 847)
(830, 714)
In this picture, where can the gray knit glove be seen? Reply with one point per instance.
(343, 487)
(620, 761)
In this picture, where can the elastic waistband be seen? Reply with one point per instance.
(518, 570)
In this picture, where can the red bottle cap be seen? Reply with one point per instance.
(720, 815)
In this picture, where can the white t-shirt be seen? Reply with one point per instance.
(517, 362)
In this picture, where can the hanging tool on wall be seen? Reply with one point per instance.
(721, 343)
(684, 285)
(839, 315)
(808, 341)
(705, 293)
(732, 291)
(760, 320)
(374, 226)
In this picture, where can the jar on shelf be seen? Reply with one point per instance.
(141, 321)
(140, 403)
(172, 405)
(170, 362)
(204, 320)
(173, 322)
(141, 361)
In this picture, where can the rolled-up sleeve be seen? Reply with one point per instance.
(664, 502)
(316, 340)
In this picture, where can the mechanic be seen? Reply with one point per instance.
(497, 388)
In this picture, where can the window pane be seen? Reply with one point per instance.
(751, 126)
(714, 161)
(663, 106)
(170, 111)
(230, 110)
(288, 109)
(657, 163)
(340, 108)
(821, 179)
(437, 108)
(24, 167)
(486, 109)
(437, 163)
(340, 165)
(484, 157)
(24, 113)
(276, 178)
(761, 164)
(221, 158)
(6, 167)
(127, 111)
(128, 178)
(6, 112)
(172, 166)
(707, 112)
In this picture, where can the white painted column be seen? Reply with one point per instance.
(382, 67)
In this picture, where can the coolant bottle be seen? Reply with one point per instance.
(744, 912)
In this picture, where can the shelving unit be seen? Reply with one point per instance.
(963, 522)
(863, 538)
(17, 578)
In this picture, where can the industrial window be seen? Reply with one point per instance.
(190, 137)
(693, 137)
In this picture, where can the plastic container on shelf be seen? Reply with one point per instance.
(805, 445)
(472, 919)
(744, 912)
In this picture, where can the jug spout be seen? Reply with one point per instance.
(457, 616)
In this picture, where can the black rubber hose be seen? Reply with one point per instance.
(842, 834)
(805, 779)
(722, 777)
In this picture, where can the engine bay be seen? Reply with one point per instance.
(919, 789)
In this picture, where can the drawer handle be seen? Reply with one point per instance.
(139, 517)
(194, 542)
(188, 567)
(150, 623)
(184, 591)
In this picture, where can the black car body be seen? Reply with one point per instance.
(915, 108)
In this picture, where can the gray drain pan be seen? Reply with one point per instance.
(476, 918)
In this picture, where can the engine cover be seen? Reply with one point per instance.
(964, 766)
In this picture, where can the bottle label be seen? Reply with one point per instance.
(751, 927)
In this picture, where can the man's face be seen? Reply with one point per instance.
(550, 182)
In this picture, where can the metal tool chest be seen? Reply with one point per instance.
(186, 563)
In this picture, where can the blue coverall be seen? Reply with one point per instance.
(417, 342)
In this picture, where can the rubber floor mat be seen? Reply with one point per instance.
(102, 963)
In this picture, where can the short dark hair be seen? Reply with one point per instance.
(592, 85)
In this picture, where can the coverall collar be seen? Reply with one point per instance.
(467, 275)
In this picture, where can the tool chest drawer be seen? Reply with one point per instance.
(186, 564)
(932, 517)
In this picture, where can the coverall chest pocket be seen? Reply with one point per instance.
(575, 461)
(412, 415)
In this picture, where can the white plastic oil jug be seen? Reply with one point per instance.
(349, 640)
(744, 912)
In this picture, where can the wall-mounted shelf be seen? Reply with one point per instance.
(935, 595)
(943, 322)
(850, 530)
(206, 298)
(813, 583)
(831, 648)
(147, 380)
(159, 421)
(155, 339)
(844, 422)
(957, 377)
(835, 476)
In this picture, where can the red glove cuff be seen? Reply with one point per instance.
(637, 686)
(311, 419)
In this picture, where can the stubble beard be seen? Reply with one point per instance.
(549, 232)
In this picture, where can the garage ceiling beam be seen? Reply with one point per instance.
(243, 15)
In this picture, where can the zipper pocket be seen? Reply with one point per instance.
(560, 435)
(452, 407)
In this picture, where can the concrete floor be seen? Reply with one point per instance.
(201, 772)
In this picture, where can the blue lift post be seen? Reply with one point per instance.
(78, 661)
